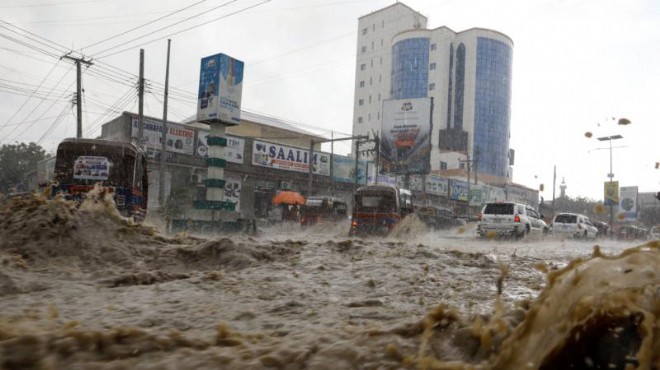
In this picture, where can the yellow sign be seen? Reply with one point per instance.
(611, 192)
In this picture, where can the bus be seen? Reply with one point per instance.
(377, 209)
(119, 168)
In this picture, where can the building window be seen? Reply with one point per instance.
(364, 31)
(361, 83)
(372, 45)
(432, 86)
(373, 27)
(433, 46)
(461, 165)
(443, 165)
(380, 78)
(363, 67)
(378, 96)
(382, 24)
(364, 49)
(359, 119)
(381, 42)
(369, 99)
(432, 66)
(378, 114)
(381, 61)
(372, 63)
(370, 81)
(361, 102)
(369, 118)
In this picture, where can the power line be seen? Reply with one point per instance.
(31, 95)
(165, 27)
(38, 105)
(144, 25)
(187, 29)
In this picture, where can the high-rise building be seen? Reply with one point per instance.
(467, 74)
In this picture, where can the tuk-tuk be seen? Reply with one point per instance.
(323, 209)
(379, 208)
(119, 168)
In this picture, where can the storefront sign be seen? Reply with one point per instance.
(288, 158)
(233, 151)
(458, 190)
(437, 185)
(179, 139)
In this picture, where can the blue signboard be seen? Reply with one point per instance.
(458, 190)
(220, 90)
(343, 170)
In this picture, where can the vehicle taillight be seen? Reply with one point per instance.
(354, 223)
(579, 226)
(516, 218)
(479, 217)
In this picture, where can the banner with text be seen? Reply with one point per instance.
(288, 158)
(628, 202)
(178, 139)
(233, 151)
(458, 190)
(405, 143)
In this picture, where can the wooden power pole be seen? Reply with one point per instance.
(78, 62)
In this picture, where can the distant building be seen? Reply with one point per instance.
(467, 74)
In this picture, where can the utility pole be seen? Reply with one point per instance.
(310, 162)
(163, 144)
(141, 102)
(554, 185)
(357, 161)
(78, 62)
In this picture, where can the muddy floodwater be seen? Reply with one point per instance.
(82, 288)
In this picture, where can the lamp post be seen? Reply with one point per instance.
(611, 176)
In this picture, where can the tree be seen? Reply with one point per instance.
(16, 161)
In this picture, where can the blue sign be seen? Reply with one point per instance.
(458, 190)
(343, 170)
(220, 90)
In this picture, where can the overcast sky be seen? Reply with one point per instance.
(577, 64)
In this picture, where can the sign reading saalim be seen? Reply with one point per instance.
(288, 158)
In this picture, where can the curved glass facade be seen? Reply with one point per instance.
(410, 68)
(492, 106)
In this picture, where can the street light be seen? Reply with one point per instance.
(611, 176)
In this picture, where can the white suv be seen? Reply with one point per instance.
(574, 225)
(510, 219)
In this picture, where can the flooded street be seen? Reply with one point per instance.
(84, 289)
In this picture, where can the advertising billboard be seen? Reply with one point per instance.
(220, 90)
(233, 151)
(288, 158)
(179, 139)
(611, 193)
(343, 170)
(405, 143)
(458, 190)
(628, 202)
(437, 185)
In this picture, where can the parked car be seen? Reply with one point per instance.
(603, 228)
(574, 225)
(510, 219)
(438, 217)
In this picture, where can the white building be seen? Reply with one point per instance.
(467, 74)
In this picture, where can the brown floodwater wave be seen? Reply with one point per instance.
(83, 288)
